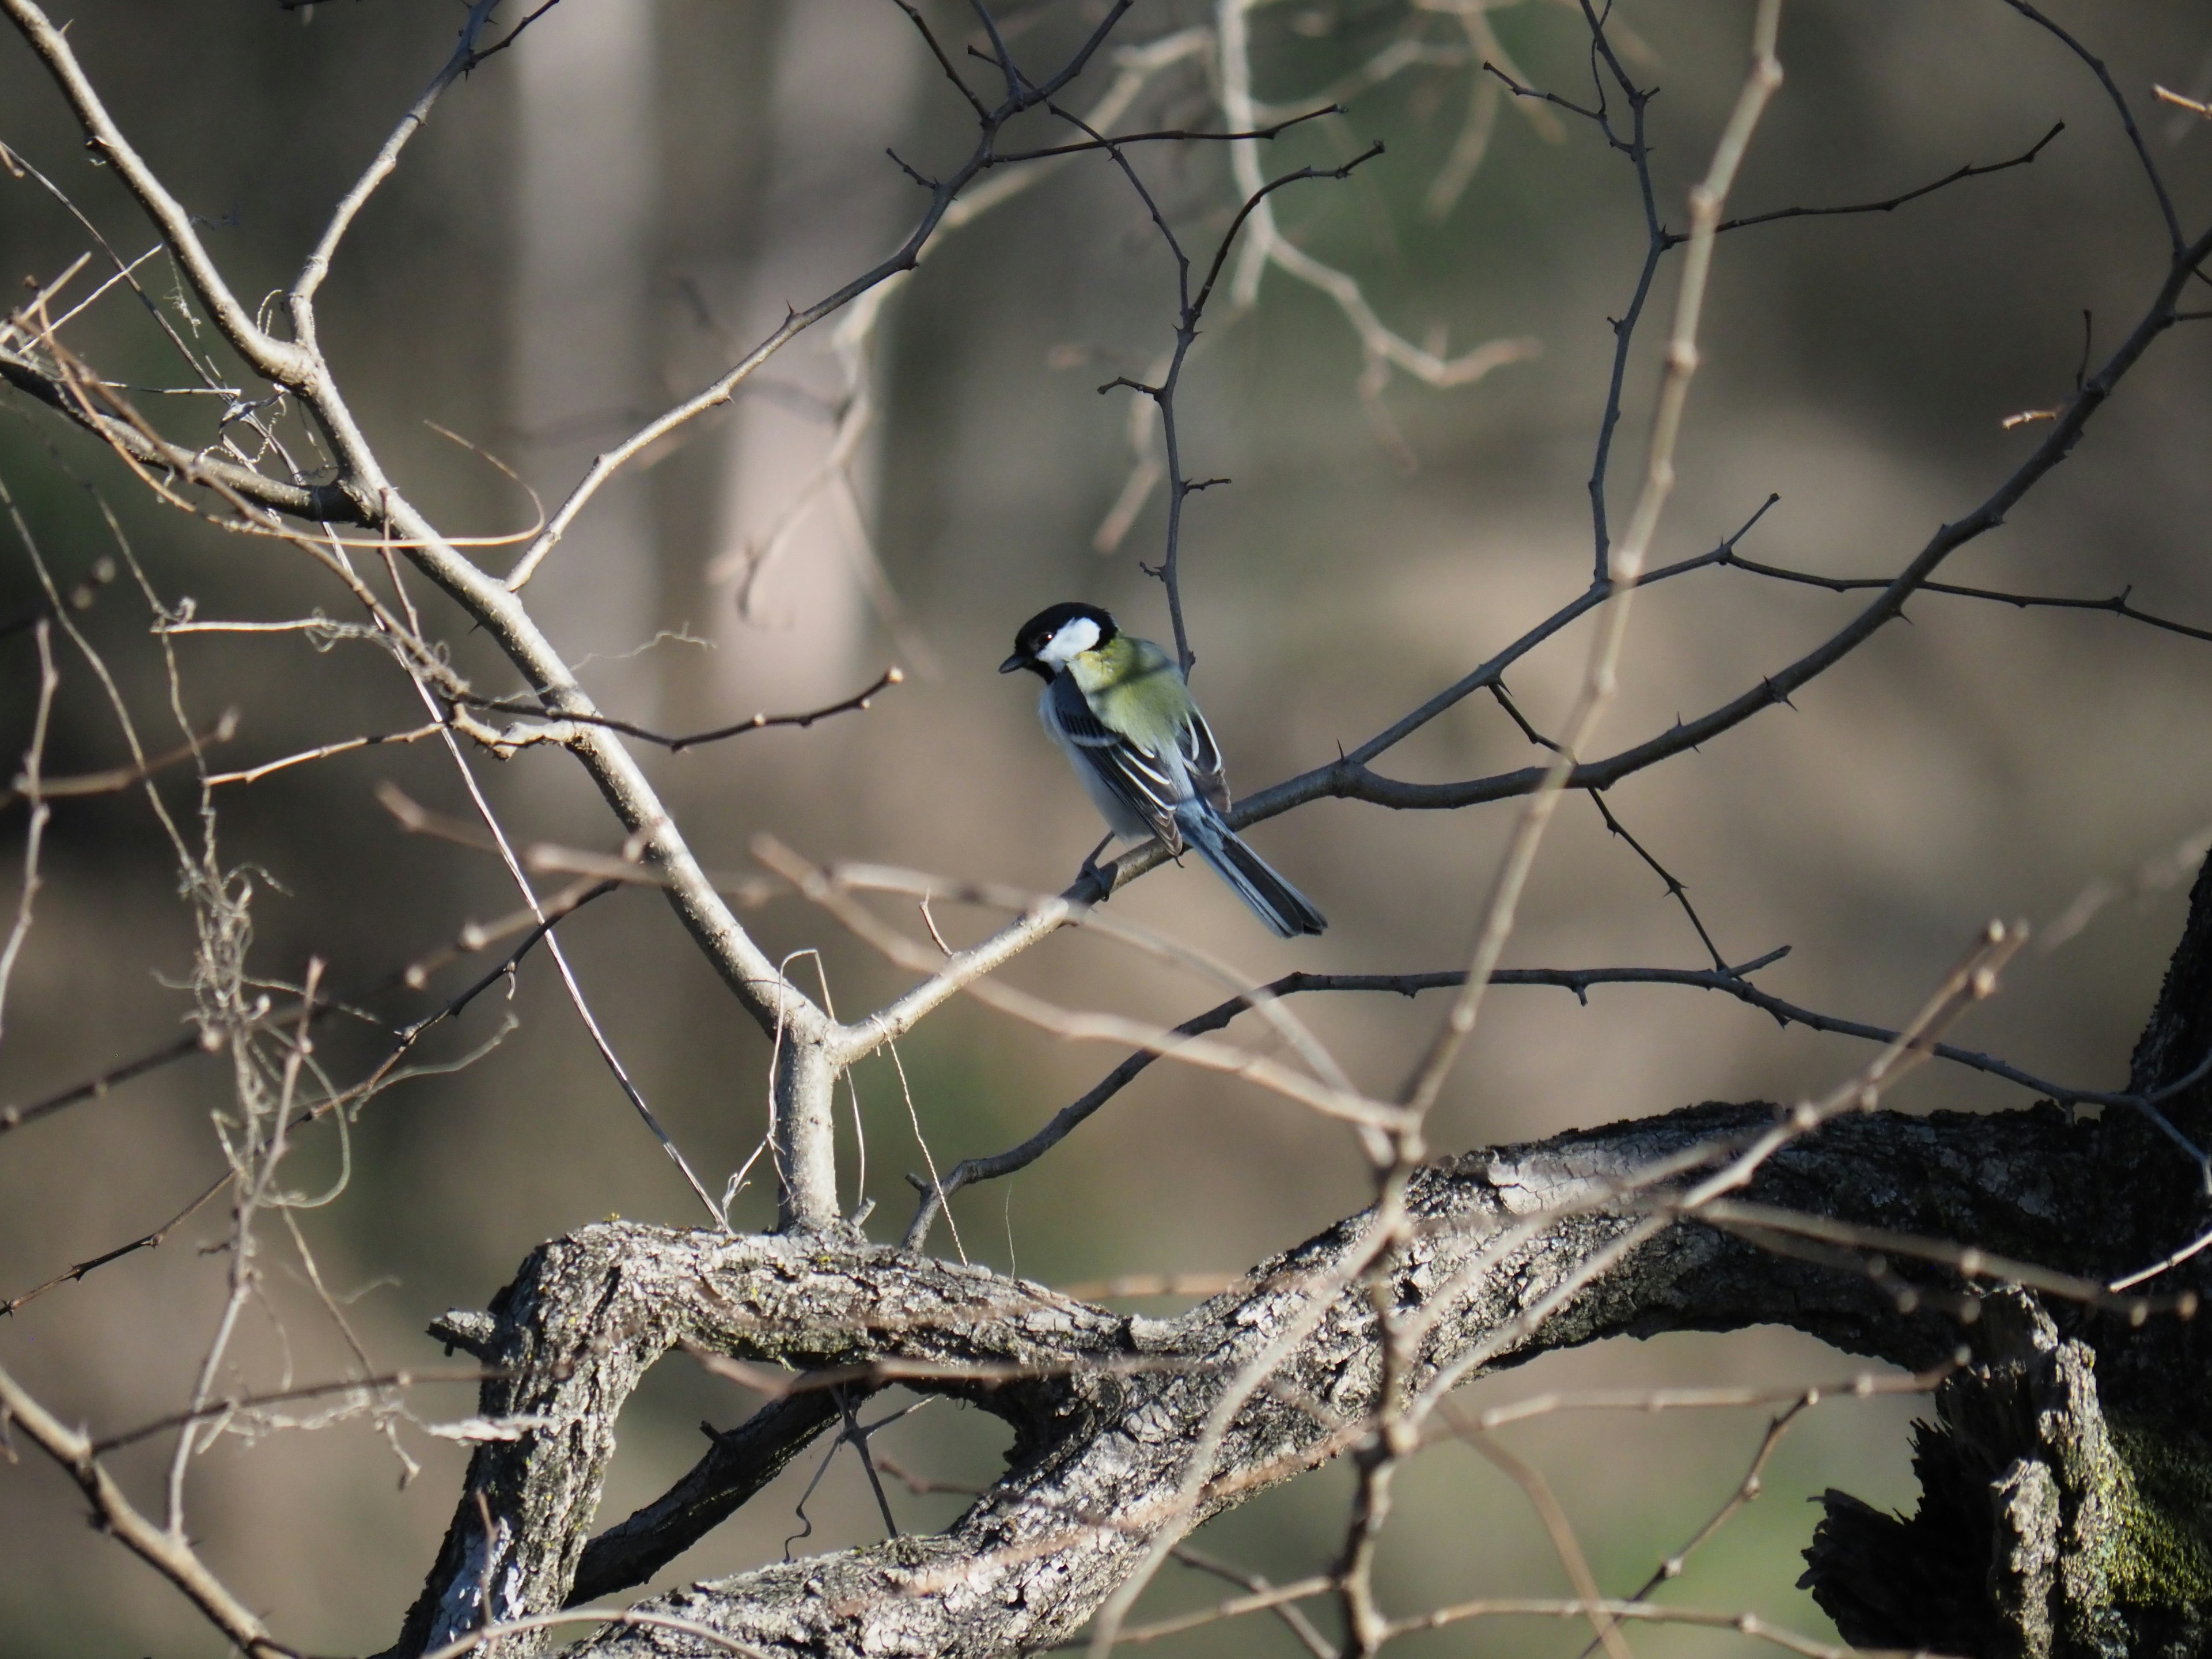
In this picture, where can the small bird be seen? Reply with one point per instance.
(1118, 707)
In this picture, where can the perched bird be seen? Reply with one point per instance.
(1118, 707)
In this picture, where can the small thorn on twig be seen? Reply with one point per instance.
(926, 183)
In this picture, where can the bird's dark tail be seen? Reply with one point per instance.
(1285, 910)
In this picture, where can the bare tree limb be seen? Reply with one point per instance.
(1057, 1526)
(168, 1553)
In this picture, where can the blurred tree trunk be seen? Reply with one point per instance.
(587, 208)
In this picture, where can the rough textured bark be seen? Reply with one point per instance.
(741, 1461)
(2066, 1502)
(2044, 1528)
(2068, 1496)
(589, 1315)
(1032, 1560)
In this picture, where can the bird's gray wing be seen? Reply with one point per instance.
(1139, 780)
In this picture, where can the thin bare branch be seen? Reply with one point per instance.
(168, 1553)
(1626, 566)
(29, 786)
(152, 1241)
(858, 702)
(1891, 204)
(236, 1404)
(967, 972)
(291, 363)
(301, 297)
(2151, 173)
(1759, 1221)
(606, 465)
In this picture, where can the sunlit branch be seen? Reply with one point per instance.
(168, 1554)
(235, 1404)
(677, 745)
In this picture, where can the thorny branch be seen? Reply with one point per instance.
(858, 702)
(1191, 310)
(1730, 981)
(1353, 777)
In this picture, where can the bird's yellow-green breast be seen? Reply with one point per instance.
(1135, 688)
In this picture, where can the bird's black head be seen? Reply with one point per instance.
(1045, 640)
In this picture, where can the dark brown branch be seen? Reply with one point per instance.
(1492, 671)
(937, 50)
(152, 1241)
(1747, 1489)
(1758, 1221)
(2174, 238)
(1000, 54)
(1191, 313)
(1733, 981)
(2025, 158)
(95, 1088)
(2118, 604)
(1675, 890)
(1350, 778)
(969, 1171)
(556, 912)
(1252, 203)
(1635, 147)
(1520, 91)
(1172, 135)
(741, 1461)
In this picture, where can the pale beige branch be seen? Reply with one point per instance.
(168, 1553)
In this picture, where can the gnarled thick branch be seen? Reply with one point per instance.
(1105, 1405)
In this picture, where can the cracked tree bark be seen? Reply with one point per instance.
(1032, 1560)
(2045, 1528)
(2066, 1505)
(2066, 1500)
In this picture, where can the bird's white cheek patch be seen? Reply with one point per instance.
(1079, 633)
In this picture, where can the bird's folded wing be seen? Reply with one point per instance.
(1138, 779)
(1203, 757)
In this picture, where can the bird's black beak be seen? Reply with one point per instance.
(1019, 660)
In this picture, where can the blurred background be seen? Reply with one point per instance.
(603, 219)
